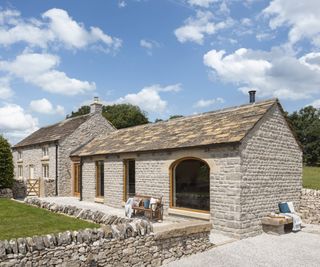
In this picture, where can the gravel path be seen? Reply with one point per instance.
(294, 249)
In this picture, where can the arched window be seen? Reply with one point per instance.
(191, 184)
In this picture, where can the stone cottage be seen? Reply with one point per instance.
(230, 166)
(44, 155)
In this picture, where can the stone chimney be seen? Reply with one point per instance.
(96, 106)
(252, 96)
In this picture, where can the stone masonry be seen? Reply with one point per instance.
(310, 206)
(271, 167)
(93, 127)
(247, 180)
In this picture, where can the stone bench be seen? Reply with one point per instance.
(277, 226)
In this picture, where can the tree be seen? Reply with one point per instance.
(6, 164)
(172, 117)
(120, 115)
(124, 115)
(81, 111)
(306, 123)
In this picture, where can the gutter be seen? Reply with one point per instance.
(80, 178)
(57, 145)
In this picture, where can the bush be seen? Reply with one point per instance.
(6, 164)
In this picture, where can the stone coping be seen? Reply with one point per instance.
(182, 229)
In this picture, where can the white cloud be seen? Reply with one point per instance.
(203, 103)
(40, 70)
(271, 73)
(315, 103)
(149, 99)
(44, 106)
(15, 122)
(301, 16)
(56, 28)
(195, 28)
(201, 3)
(149, 45)
(5, 89)
(122, 4)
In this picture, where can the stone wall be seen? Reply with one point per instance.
(271, 171)
(93, 127)
(310, 206)
(122, 244)
(6, 193)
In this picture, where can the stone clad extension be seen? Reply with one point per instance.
(230, 167)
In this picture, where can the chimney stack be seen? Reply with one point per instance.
(96, 106)
(252, 95)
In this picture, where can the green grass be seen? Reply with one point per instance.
(311, 177)
(21, 220)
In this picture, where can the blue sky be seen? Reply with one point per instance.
(169, 56)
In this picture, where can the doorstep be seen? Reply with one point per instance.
(188, 213)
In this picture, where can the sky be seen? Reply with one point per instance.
(168, 57)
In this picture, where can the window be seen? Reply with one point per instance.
(190, 185)
(45, 170)
(99, 179)
(45, 151)
(130, 178)
(19, 155)
(20, 171)
(31, 172)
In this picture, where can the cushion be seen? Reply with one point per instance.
(136, 202)
(283, 207)
(146, 203)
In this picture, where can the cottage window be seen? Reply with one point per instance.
(100, 179)
(45, 151)
(190, 185)
(19, 155)
(45, 170)
(20, 171)
(130, 178)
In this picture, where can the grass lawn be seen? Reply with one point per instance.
(311, 177)
(21, 220)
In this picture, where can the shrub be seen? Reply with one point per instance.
(6, 164)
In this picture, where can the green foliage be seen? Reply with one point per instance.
(120, 115)
(81, 111)
(124, 115)
(21, 220)
(172, 117)
(6, 164)
(158, 120)
(311, 177)
(306, 123)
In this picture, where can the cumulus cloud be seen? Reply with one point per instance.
(149, 45)
(196, 28)
(203, 103)
(44, 106)
(149, 99)
(315, 103)
(15, 123)
(40, 70)
(271, 73)
(5, 89)
(56, 28)
(301, 16)
(201, 3)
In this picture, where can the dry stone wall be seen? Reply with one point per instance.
(6, 193)
(310, 206)
(126, 243)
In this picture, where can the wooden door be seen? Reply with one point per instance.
(76, 179)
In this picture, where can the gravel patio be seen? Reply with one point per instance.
(294, 249)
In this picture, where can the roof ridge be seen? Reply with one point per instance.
(66, 119)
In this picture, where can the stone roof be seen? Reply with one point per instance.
(53, 132)
(219, 127)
